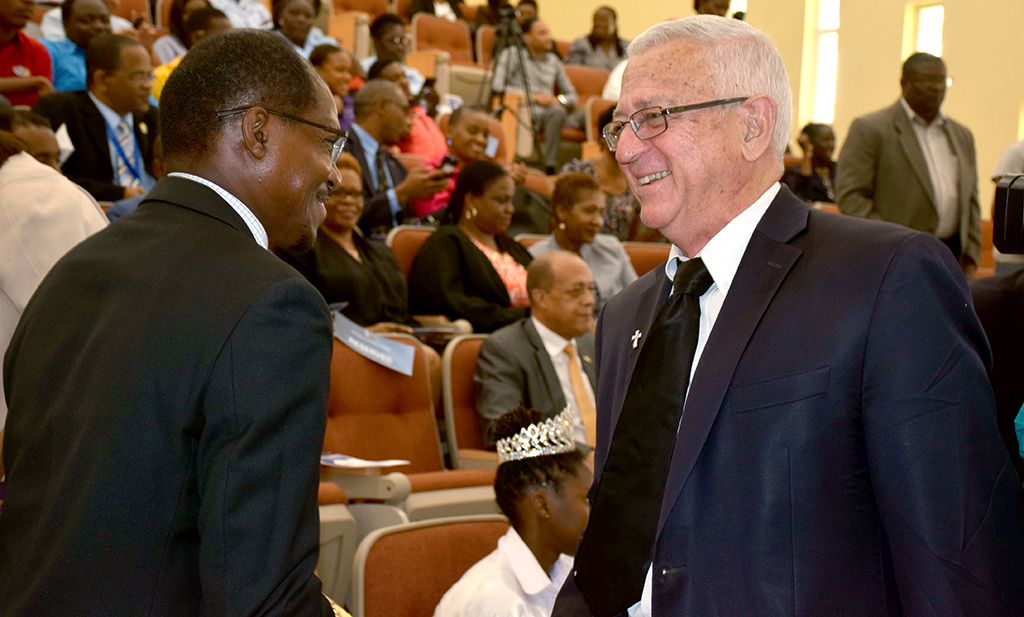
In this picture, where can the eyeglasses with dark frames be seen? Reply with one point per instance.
(336, 147)
(653, 121)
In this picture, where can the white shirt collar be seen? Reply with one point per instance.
(531, 576)
(553, 343)
(723, 252)
(940, 118)
(250, 220)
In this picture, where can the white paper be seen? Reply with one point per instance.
(351, 462)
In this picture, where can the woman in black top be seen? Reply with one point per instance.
(470, 268)
(346, 267)
(812, 179)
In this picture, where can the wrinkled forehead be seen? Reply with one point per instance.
(673, 73)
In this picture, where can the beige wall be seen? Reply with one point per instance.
(980, 45)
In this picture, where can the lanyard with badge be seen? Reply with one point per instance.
(120, 152)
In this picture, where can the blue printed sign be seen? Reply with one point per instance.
(384, 351)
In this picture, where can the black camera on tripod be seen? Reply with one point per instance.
(1008, 214)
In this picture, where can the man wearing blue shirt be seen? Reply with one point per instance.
(83, 20)
(111, 125)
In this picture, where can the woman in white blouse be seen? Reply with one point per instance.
(544, 496)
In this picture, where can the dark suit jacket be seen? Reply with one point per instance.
(514, 368)
(168, 392)
(999, 301)
(89, 166)
(837, 453)
(376, 219)
(452, 277)
(882, 174)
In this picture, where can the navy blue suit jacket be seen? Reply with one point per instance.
(838, 451)
(376, 218)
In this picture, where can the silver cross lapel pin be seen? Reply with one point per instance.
(636, 338)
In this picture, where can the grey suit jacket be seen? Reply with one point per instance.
(514, 368)
(882, 174)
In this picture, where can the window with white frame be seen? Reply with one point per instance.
(826, 61)
(928, 27)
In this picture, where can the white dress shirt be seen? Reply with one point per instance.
(942, 168)
(721, 255)
(555, 345)
(507, 583)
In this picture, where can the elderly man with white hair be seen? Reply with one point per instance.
(793, 413)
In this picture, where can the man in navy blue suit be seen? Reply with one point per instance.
(836, 452)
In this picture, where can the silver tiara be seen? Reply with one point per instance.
(551, 436)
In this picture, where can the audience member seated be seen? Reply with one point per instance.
(622, 208)
(293, 19)
(382, 120)
(470, 268)
(116, 105)
(346, 267)
(83, 21)
(425, 139)
(390, 42)
(543, 492)
(44, 215)
(25, 70)
(526, 10)
(578, 215)
(35, 133)
(246, 13)
(541, 76)
(544, 361)
(446, 9)
(172, 45)
(602, 48)
(52, 25)
(334, 64)
(811, 180)
(711, 7)
(201, 23)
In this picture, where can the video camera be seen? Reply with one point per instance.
(1008, 214)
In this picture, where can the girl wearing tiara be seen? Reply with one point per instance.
(541, 486)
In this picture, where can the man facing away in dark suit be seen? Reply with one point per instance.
(911, 164)
(382, 120)
(832, 449)
(111, 124)
(168, 381)
(530, 363)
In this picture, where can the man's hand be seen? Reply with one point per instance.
(384, 327)
(132, 191)
(517, 171)
(43, 86)
(421, 183)
(544, 100)
(968, 267)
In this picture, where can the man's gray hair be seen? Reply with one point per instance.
(746, 60)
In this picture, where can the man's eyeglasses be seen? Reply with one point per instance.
(653, 121)
(336, 147)
(399, 40)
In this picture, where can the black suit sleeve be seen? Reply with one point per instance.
(258, 458)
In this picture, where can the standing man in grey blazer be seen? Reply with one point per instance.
(528, 362)
(911, 164)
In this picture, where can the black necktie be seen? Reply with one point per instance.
(382, 176)
(611, 563)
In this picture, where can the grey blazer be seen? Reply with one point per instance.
(514, 368)
(882, 174)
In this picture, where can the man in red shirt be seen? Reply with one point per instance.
(25, 72)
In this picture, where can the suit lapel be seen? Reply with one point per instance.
(912, 149)
(544, 365)
(369, 184)
(765, 264)
(96, 129)
(964, 176)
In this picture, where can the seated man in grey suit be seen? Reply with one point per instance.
(545, 361)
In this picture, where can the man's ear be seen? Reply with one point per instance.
(254, 131)
(760, 114)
